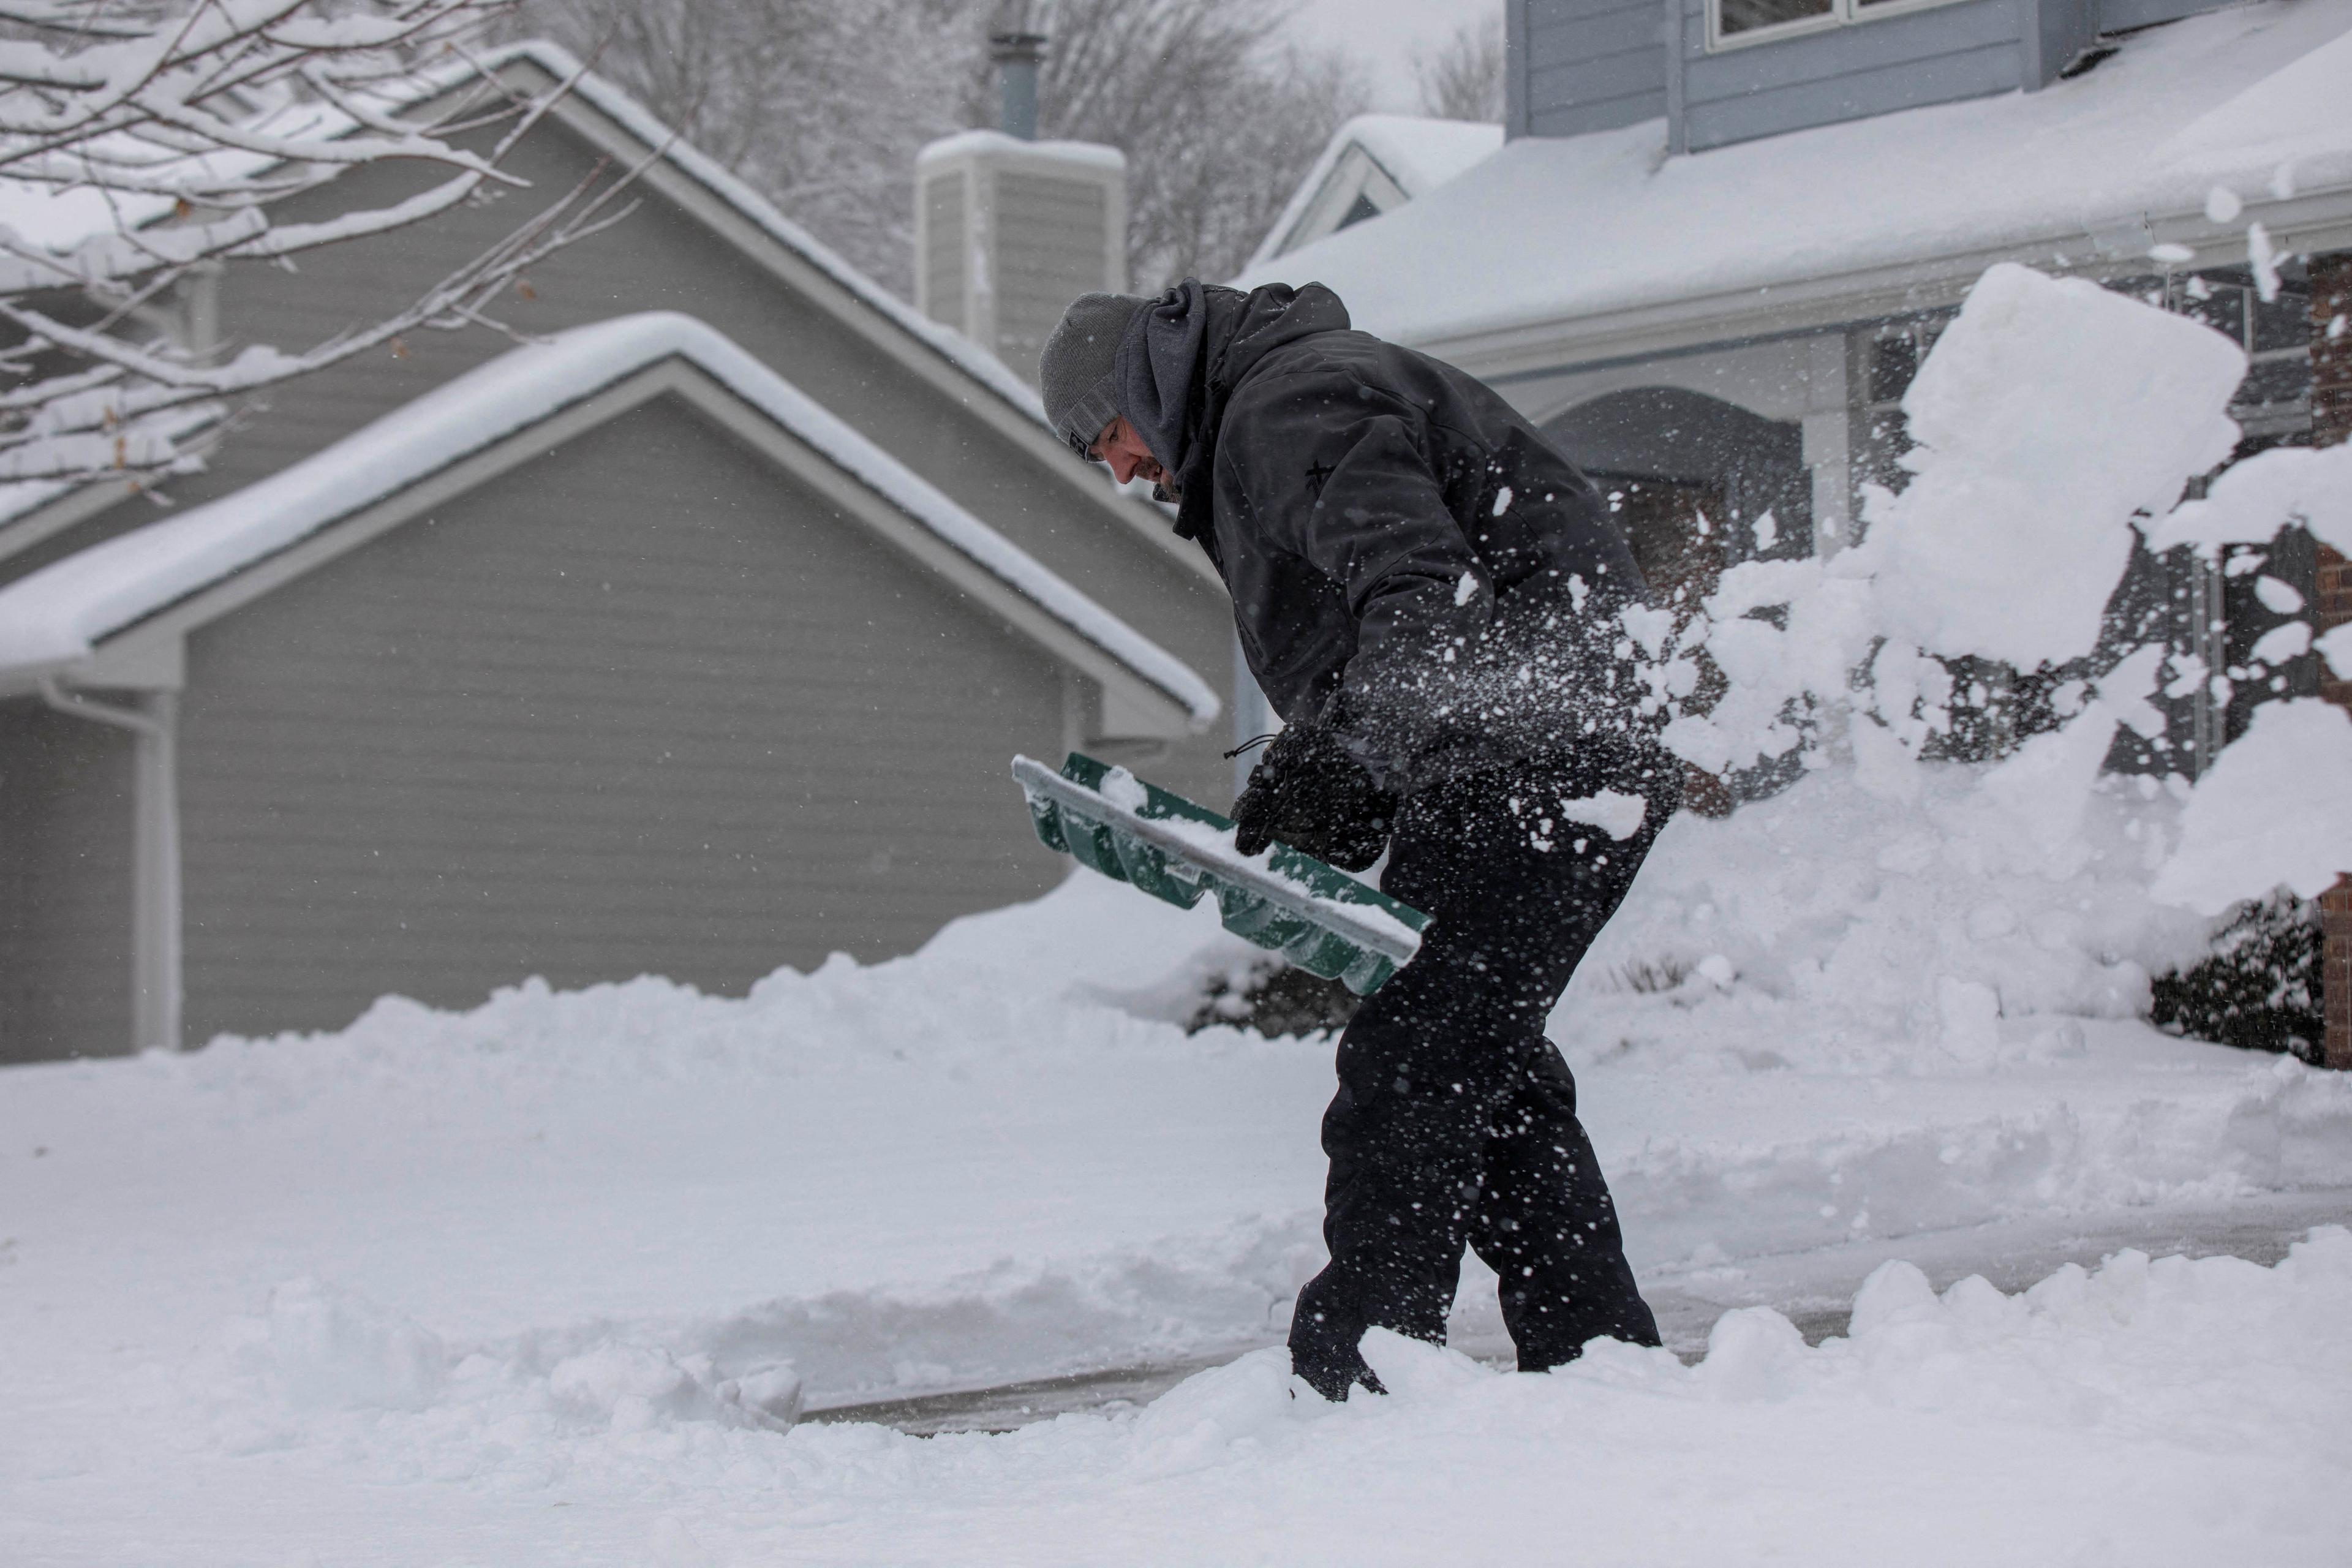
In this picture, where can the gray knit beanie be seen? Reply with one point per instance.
(1074, 372)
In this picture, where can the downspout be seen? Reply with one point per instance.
(155, 962)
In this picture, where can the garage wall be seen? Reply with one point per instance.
(639, 706)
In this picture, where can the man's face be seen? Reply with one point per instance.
(1124, 451)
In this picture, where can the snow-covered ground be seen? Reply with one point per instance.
(511, 1285)
(546, 1281)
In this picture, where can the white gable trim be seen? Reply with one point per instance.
(1373, 155)
(1358, 175)
(121, 606)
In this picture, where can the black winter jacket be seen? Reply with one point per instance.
(1409, 560)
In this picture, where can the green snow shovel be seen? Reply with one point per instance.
(1316, 916)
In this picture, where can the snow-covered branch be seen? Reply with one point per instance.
(163, 135)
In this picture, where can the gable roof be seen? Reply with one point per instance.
(1601, 246)
(1413, 153)
(58, 617)
(597, 109)
(712, 176)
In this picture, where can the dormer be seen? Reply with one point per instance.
(1372, 164)
(1721, 71)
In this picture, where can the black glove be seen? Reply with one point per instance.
(1307, 791)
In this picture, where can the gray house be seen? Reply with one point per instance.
(692, 639)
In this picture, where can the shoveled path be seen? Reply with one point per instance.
(1814, 1290)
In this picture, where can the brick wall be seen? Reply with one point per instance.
(2331, 422)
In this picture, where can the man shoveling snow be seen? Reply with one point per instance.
(1429, 595)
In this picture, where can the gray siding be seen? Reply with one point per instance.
(1049, 249)
(1590, 65)
(1594, 65)
(660, 258)
(1966, 50)
(636, 707)
(64, 885)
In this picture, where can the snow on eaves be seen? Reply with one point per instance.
(1419, 154)
(1577, 228)
(55, 616)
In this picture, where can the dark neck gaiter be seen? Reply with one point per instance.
(1158, 360)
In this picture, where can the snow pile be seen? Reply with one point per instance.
(2277, 810)
(2054, 417)
(319, 1348)
(2050, 413)
(2168, 1413)
(2151, 1412)
(1851, 918)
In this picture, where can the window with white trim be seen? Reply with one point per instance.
(1731, 23)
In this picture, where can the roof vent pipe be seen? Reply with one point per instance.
(1017, 45)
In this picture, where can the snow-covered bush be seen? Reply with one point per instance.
(2258, 989)
(1276, 999)
(145, 145)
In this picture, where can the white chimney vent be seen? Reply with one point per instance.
(1008, 232)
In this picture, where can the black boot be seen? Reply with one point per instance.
(1324, 1333)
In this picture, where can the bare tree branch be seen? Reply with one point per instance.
(1464, 79)
(183, 123)
(823, 106)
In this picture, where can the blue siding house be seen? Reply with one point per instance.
(1722, 234)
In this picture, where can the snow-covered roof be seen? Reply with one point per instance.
(2108, 164)
(56, 615)
(1417, 153)
(643, 124)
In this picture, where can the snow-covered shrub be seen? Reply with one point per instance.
(1276, 999)
(2258, 989)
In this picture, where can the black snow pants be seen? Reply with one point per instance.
(1455, 1118)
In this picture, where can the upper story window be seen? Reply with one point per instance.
(1731, 23)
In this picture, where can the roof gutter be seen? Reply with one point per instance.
(2306, 224)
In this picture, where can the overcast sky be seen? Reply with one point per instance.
(1389, 33)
